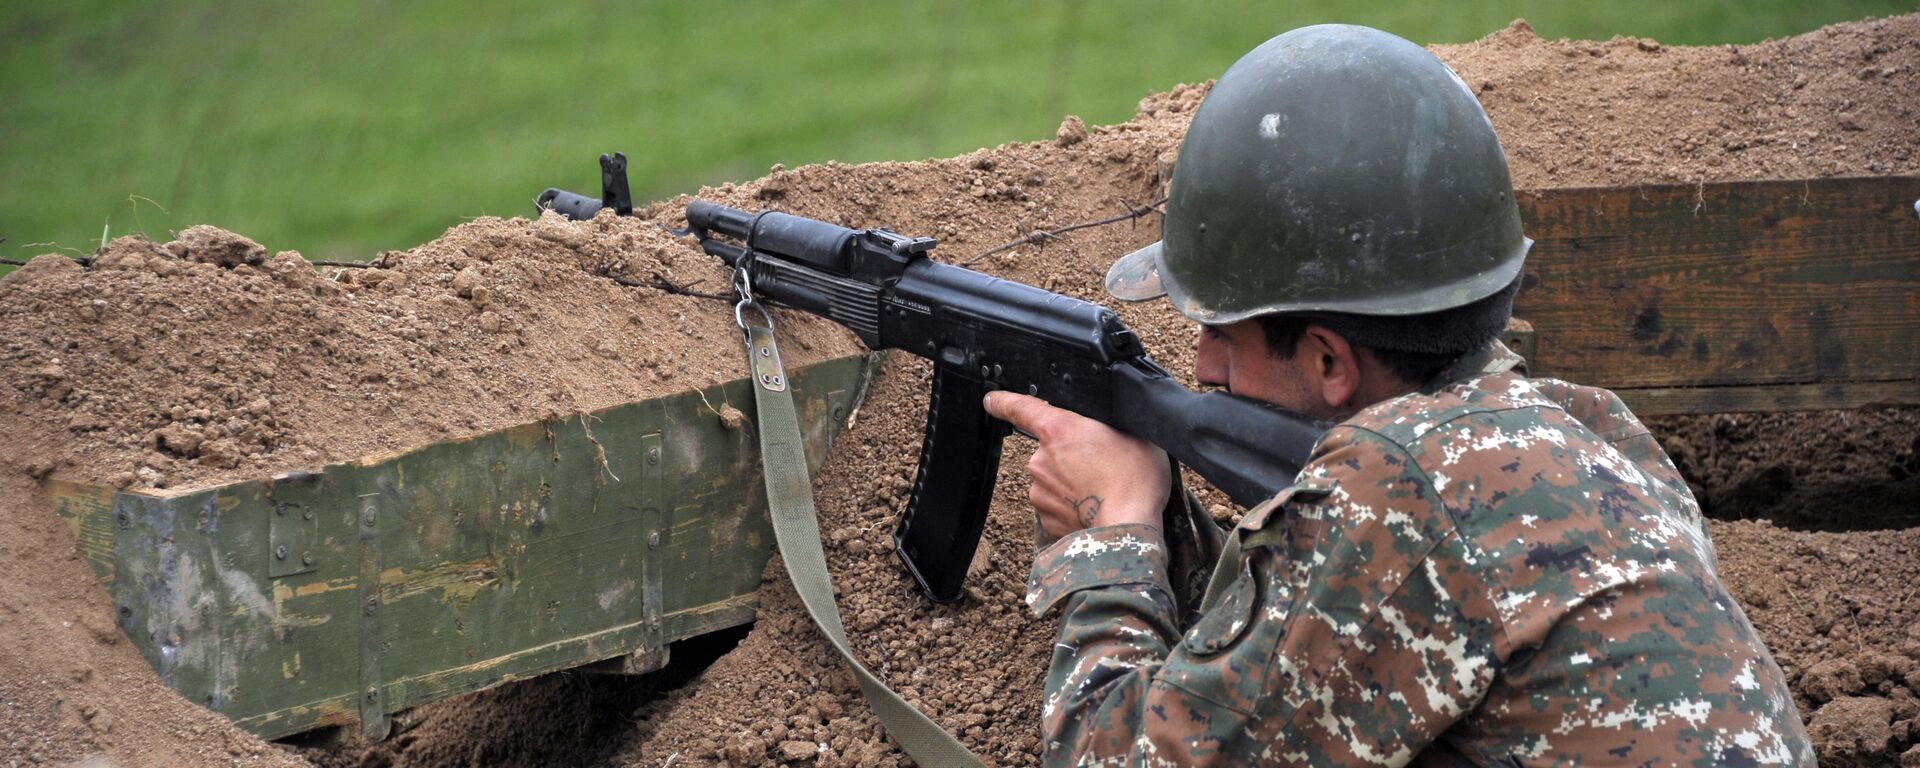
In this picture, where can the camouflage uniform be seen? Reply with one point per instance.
(1494, 570)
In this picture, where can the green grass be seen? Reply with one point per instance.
(339, 130)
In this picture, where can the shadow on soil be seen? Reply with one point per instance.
(564, 718)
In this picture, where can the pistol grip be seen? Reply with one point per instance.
(952, 488)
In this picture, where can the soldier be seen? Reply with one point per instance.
(1474, 567)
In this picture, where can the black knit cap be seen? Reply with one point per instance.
(1449, 331)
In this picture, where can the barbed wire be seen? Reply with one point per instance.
(1036, 237)
(1041, 236)
(662, 283)
(85, 262)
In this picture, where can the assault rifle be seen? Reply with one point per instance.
(985, 333)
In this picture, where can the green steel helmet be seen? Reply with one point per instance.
(1334, 169)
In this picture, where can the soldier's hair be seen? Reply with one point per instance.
(1415, 347)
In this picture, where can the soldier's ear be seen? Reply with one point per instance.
(1332, 366)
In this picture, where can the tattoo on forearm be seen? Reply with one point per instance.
(1086, 508)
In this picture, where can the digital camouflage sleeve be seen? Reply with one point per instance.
(1499, 570)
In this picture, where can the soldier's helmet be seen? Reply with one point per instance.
(1334, 169)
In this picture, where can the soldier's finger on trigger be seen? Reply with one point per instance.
(1024, 412)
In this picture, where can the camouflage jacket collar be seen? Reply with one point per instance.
(1495, 357)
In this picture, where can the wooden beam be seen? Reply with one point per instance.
(1682, 289)
(1780, 397)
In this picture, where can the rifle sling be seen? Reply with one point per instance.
(790, 503)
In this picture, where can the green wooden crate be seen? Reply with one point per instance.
(340, 596)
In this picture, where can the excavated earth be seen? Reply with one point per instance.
(204, 359)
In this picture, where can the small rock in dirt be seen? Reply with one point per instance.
(465, 281)
(1072, 131)
(731, 417)
(176, 440)
(1876, 666)
(555, 228)
(82, 421)
(772, 187)
(798, 751)
(132, 252)
(744, 750)
(1832, 679)
(370, 277)
(1852, 727)
(103, 630)
(223, 453)
(212, 245)
(291, 268)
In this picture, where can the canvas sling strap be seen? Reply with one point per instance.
(790, 503)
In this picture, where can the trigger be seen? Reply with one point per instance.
(992, 387)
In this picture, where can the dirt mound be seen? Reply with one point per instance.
(1840, 612)
(70, 683)
(185, 363)
(1838, 101)
(203, 360)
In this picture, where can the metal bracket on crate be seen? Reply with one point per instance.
(373, 713)
(292, 535)
(656, 515)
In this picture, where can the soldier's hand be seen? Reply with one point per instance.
(1085, 473)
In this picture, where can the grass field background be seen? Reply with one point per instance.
(340, 129)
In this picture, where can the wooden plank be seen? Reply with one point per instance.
(1727, 285)
(1780, 397)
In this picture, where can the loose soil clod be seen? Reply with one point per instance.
(174, 365)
